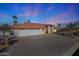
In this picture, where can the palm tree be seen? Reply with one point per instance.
(28, 21)
(59, 27)
(15, 17)
(70, 25)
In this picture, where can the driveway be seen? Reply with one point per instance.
(42, 45)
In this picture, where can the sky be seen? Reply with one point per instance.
(47, 13)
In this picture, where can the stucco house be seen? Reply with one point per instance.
(29, 29)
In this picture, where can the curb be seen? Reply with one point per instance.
(72, 50)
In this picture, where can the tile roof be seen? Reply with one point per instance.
(29, 26)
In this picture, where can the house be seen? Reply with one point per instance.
(28, 29)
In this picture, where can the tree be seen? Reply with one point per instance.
(70, 26)
(28, 21)
(15, 17)
(59, 25)
(4, 28)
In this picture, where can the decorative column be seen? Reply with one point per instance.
(49, 29)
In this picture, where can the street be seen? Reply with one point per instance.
(42, 45)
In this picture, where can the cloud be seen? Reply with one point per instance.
(36, 12)
(60, 18)
(57, 19)
(29, 11)
(2, 15)
(26, 11)
(50, 8)
(25, 14)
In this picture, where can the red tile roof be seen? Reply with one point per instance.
(28, 26)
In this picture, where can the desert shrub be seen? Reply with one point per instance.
(76, 33)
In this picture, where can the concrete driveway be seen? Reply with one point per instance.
(42, 45)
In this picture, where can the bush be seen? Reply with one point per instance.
(76, 33)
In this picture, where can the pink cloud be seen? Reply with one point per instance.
(28, 11)
(60, 18)
(36, 13)
(27, 8)
(57, 19)
(2, 15)
(25, 14)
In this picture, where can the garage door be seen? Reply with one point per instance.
(29, 32)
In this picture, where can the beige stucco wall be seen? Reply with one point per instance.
(28, 32)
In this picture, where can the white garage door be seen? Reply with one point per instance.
(29, 32)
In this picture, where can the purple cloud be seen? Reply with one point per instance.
(29, 11)
(2, 15)
(61, 17)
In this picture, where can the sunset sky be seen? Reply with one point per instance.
(50, 13)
